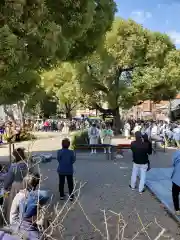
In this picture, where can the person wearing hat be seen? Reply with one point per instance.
(140, 151)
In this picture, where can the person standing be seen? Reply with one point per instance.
(137, 128)
(127, 129)
(140, 150)
(154, 132)
(106, 137)
(66, 158)
(176, 135)
(93, 134)
(46, 126)
(146, 139)
(176, 181)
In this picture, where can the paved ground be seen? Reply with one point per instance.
(159, 182)
(106, 189)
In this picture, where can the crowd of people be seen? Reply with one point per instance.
(144, 133)
(60, 125)
(21, 201)
(20, 197)
(24, 211)
(141, 149)
(168, 132)
(13, 129)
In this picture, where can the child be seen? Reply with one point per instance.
(66, 159)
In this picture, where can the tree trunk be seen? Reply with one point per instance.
(21, 106)
(9, 113)
(68, 115)
(68, 109)
(117, 123)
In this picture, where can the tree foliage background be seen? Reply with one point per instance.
(37, 34)
(133, 65)
(81, 58)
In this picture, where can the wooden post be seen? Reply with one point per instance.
(10, 156)
(11, 149)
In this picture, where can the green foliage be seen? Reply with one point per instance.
(24, 136)
(48, 106)
(40, 102)
(79, 138)
(33, 100)
(134, 64)
(37, 34)
(62, 82)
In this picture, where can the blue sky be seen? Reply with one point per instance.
(157, 15)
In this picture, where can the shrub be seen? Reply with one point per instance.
(24, 136)
(79, 138)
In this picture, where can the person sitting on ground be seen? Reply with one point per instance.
(30, 183)
(140, 151)
(176, 181)
(3, 175)
(24, 217)
(14, 180)
(66, 159)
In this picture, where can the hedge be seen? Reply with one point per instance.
(79, 138)
(24, 136)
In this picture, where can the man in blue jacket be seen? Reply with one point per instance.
(66, 159)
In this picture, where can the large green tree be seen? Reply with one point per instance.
(63, 84)
(134, 64)
(36, 34)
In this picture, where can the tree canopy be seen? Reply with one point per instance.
(37, 34)
(63, 84)
(133, 64)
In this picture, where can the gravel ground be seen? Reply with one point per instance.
(107, 189)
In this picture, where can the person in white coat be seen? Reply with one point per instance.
(93, 134)
(137, 128)
(176, 135)
(127, 129)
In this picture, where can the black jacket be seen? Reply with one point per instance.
(140, 151)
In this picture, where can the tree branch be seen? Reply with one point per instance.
(102, 110)
(132, 67)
